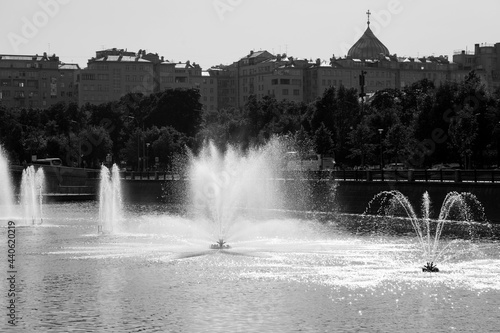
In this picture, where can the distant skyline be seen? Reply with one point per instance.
(212, 32)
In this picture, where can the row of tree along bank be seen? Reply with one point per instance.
(419, 126)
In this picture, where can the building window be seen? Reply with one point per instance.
(296, 92)
(284, 81)
(285, 91)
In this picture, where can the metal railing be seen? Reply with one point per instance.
(400, 175)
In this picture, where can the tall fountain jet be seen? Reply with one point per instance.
(32, 188)
(110, 200)
(228, 185)
(6, 190)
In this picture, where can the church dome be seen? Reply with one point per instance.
(368, 47)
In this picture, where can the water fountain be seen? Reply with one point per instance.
(32, 187)
(456, 207)
(226, 186)
(6, 190)
(281, 272)
(110, 200)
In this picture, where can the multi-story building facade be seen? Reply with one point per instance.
(485, 60)
(226, 78)
(262, 73)
(35, 81)
(115, 72)
(41, 81)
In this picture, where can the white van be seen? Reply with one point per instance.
(310, 162)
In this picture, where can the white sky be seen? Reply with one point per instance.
(211, 32)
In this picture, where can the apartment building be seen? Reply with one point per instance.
(115, 72)
(485, 60)
(33, 81)
(261, 73)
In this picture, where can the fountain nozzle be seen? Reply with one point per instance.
(221, 244)
(430, 267)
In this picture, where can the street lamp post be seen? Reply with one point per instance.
(146, 160)
(79, 144)
(380, 130)
(138, 145)
(362, 90)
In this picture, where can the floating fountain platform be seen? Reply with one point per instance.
(430, 267)
(220, 245)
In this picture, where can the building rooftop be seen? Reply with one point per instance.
(124, 58)
(368, 47)
(34, 57)
(69, 66)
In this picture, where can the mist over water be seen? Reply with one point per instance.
(6, 189)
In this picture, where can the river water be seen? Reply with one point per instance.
(282, 274)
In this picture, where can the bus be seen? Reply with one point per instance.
(48, 161)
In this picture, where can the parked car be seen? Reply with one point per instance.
(395, 166)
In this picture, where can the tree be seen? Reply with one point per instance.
(323, 141)
(360, 141)
(95, 145)
(169, 144)
(463, 132)
(398, 143)
(346, 115)
(324, 111)
(302, 142)
(178, 108)
(223, 127)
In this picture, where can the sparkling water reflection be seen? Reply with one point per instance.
(282, 275)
